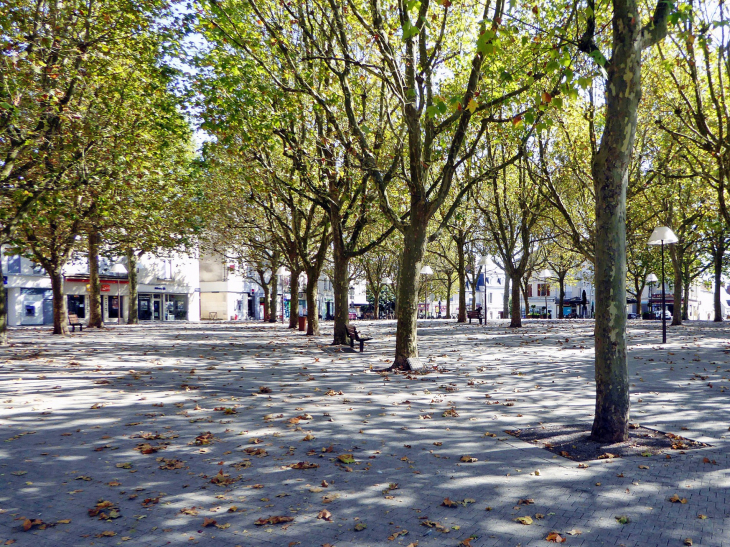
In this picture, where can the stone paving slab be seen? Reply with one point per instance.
(77, 415)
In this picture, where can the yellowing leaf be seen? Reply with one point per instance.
(471, 106)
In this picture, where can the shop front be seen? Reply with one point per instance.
(160, 303)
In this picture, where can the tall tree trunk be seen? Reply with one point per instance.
(561, 288)
(96, 318)
(449, 287)
(376, 303)
(526, 296)
(60, 315)
(409, 281)
(610, 176)
(516, 316)
(294, 300)
(264, 287)
(312, 312)
(676, 253)
(340, 288)
(685, 300)
(3, 309)
(506, 297)
(132, 299)
(273, 301)
(718, 287)
(462, 278)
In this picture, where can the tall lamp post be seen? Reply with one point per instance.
(426, 270)
(651, 279)
(545, 274)
(660, 236)
(121, 270)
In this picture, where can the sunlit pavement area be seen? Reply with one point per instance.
(230, 408)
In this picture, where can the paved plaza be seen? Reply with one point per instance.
(190, 434)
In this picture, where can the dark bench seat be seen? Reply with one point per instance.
(354, 336)
(73, 322)
(475, 314)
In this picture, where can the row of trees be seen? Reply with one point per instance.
(96, 153)
(345, 125)
(342, 131)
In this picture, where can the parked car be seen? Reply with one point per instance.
(632, 316)
(667, 314)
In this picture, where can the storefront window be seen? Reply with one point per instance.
(77, 305)
(176, 307)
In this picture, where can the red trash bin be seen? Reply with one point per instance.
(302, 322)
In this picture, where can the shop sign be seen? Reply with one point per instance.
(105, 287)
(160, 288)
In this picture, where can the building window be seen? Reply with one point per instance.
(14, 264)
(543, 289)
(490, 298)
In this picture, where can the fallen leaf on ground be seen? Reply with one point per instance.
(325, 515)
(397, 534)
(304, 465)
(468, 459)
(360, 526)
(524, 520)
(437, 525)
(273, 520)
(555, 537)
(346, 458)
(208, 522)
(676, 499)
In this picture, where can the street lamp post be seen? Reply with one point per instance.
(660, 236)
(121, 270)
(545, 274)
(651, 279)
(426, 270)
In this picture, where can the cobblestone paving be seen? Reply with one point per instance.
(177, 426)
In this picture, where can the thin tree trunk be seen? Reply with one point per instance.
(312, 312)
(96, 318)
(132, 299)
(409, 281)
(340, 288)
(264, 287)
(3, 310)
(462, 279)
(273, 301)
(685, 301)
(526, 297)
(676, 254)
(561, 288)
(60, 315)
(449, 287)
(718, 287)
(376, 303)
(506, 297)
(516, 316)
(294, 300)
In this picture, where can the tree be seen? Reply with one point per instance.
(630, 36)
(563, 261)
(512, 210)
(430, 128)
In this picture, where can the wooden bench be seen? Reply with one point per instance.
(353, 335)
(73, 322)
(474, 314)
